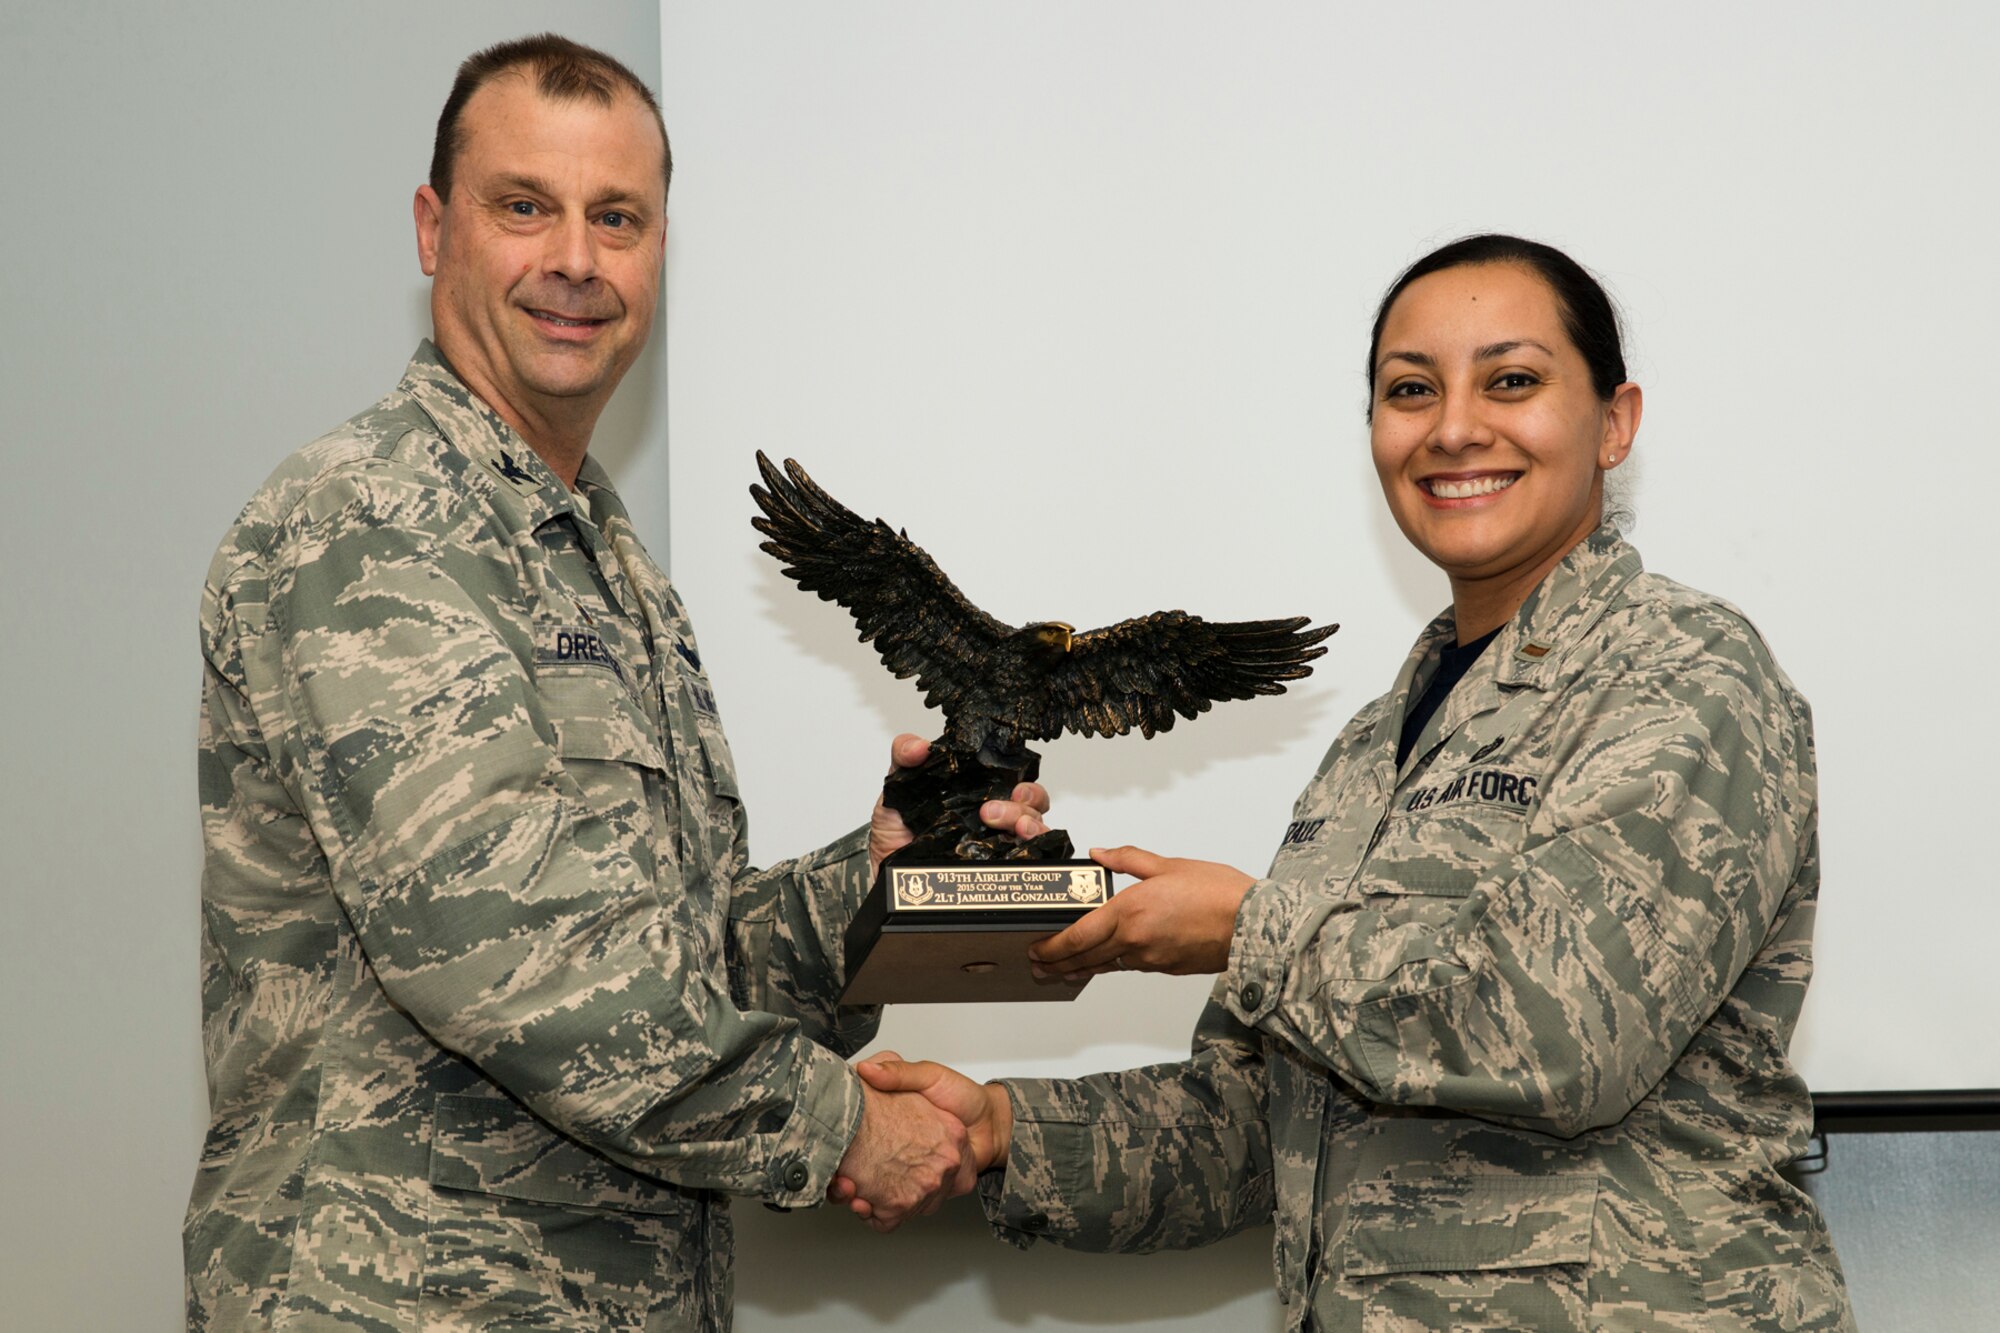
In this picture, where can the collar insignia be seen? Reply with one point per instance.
(513, 473)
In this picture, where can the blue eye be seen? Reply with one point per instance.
(614, 219)
(521, 208)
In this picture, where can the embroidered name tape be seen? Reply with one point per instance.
(576, 645)
(1486, 786)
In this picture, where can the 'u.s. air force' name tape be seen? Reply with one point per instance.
(1481, 786)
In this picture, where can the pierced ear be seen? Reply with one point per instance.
(1621, 424)
(428, 211)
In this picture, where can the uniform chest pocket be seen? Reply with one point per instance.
(720, 764)
(1310, 842)
(609, 750)
(596, 718)
(720, 810)
(1441, 853)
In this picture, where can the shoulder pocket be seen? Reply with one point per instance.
(1469, 1224)
(490, 1145)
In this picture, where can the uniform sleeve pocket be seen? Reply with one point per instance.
(490, 1145)
(596, 717)
(1469, 1224)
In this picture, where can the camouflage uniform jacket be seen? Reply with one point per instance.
(494, 1011)
(1502, 1041)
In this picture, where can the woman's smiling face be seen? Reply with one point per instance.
(1489, 439)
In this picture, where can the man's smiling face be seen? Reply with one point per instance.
(546, 257)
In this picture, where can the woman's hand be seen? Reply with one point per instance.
(1178, 918)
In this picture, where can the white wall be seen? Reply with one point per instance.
(1079, 294)
(209, 262)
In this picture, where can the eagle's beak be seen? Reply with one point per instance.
(1068, 633)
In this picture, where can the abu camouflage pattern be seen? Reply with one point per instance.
(494, 1012)
(1502, 1043)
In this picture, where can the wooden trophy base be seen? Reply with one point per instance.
(957, 932)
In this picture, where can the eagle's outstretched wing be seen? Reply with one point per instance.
(901, 601)
(1142, 672)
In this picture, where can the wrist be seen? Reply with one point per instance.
(1234, 904)
(863, 1124)
(1000, 1118)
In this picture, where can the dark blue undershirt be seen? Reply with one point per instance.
(1454, 660)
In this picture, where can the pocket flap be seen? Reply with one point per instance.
(596, 717)
(1441, 853)
(493, 1146)
(1461, 1224)
(721, 768)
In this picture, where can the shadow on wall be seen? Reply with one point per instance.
(1118, 1023)
(833, 1265)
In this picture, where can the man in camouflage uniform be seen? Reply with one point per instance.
(495, 1012)
(1501, 1038)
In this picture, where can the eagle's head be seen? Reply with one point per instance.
(1048, 642)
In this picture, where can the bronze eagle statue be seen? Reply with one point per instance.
(1000, 686)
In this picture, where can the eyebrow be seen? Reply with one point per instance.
(1491, 350)
(1486, 353)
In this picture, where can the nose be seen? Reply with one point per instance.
(1459, 424)
(572, 250)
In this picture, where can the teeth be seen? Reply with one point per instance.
(564, 323)
(1465, 490)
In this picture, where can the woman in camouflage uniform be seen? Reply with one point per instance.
(1500, 1038)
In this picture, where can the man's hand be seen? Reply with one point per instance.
(1178, 918)
(907, 1158)
(1021, 816)
(982, 1109)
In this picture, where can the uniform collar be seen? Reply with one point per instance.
(1442, 630)
(501, 464)
(1531, 650)
(1533, 646)
(596, 498)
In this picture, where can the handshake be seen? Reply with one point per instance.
(927, 1131)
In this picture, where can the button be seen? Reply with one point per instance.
(1035, 1222)
(1251, 995)
(795, 1176)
